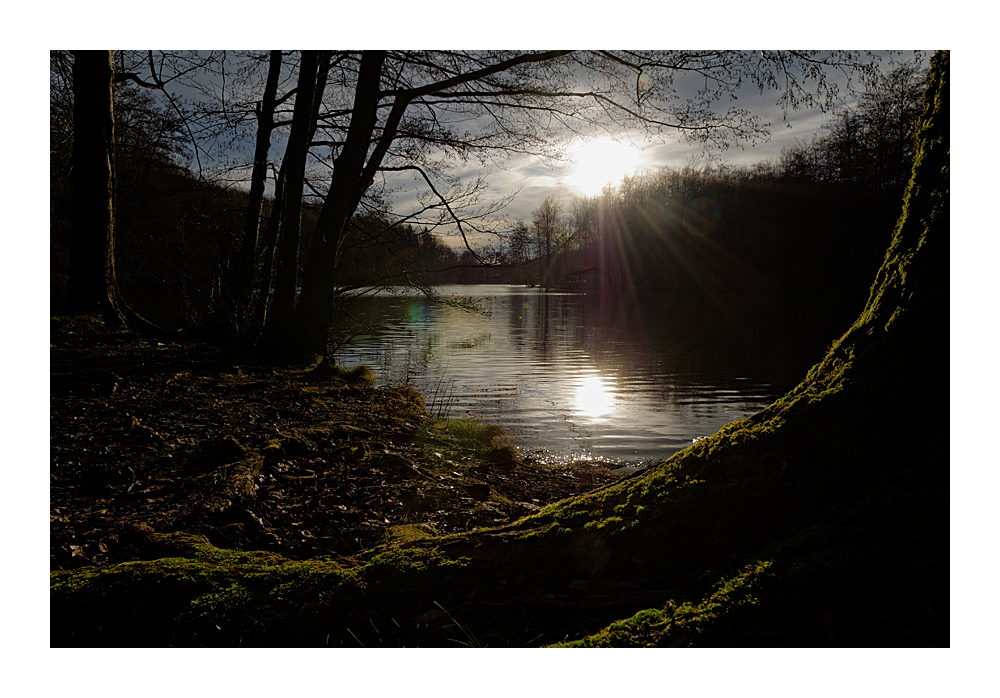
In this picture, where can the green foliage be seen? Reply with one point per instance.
(470, 639)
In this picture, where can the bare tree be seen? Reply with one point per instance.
(93, 277)
(424, 111)
(870, 142)
(384, 114)
(92, 280)
(241, 271)
(549, 231)
(279, 316)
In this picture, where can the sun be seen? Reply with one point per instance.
(601, 162)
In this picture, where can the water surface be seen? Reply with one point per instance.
(627, 379)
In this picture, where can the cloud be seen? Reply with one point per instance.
(534, 178)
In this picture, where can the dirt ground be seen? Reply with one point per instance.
(150, 435)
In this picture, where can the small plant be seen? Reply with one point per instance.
(326, 370)
(442, 402)
(451, 443)
(472, 641)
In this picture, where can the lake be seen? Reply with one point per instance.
(624, 377)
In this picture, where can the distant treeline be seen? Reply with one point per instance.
(816, 221)
(720, 229)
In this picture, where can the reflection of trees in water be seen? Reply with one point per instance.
(658, 369)
(543, 326)
(680, 339)
(697, 354)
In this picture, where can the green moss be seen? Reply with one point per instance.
(687, 623)
(79, 324)
(411, 402)
(637, 631)
(406, 533)
(458, 444)
(210, 597)
(612, 522)
(290, 443)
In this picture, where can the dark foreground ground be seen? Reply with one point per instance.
(200, 498)
(149, 436)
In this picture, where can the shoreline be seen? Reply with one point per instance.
(151, 437)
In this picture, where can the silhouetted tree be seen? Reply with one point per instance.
(397, 111)
(549, 232)
(137, 142)
(279, 314)
(868, 144)
(407, 112)
(240, 282)
(92, 281)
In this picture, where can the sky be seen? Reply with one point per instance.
(604, 161)
(530, 179)
(607, 160)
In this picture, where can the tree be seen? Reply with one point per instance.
(105, 145)
(519, 253)
(386, 114)
(890, 106)
(868, 144)
(92, 281)
(582, 220)
(293, 170)
(549, 232)
(822, 520)
(242, 268)
(403, 111)
(519, 244)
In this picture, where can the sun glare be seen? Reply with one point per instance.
(593, 398)
(602, 162)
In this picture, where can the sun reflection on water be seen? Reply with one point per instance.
(594, 398)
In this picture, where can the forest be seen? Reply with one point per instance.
(795, 225)
(198, 421)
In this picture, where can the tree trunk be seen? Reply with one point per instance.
(265, 251)
(279, 314)
(311, 320)
(92, 279)
(241, 272)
